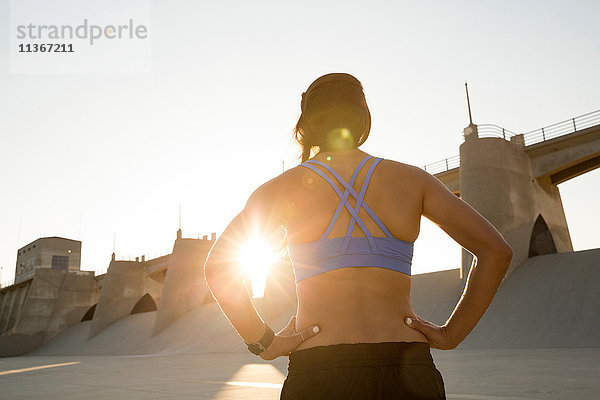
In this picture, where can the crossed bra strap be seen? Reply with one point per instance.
(359, 197)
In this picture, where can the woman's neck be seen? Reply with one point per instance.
(324, 153)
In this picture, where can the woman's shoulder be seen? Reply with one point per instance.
(280, 186)
(397, 169)
(278, 197)
(290, 182)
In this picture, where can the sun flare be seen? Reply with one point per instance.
(256, 258)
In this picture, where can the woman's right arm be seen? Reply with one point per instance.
(492, 258)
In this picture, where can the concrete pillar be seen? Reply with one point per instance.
(122, 287)
(497, 180)
(9, 310)
(4, 307)
(35, 302)
(184, 287)
(20, 302)
(77, 294)
(43, 306)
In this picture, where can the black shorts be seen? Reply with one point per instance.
(388, 370)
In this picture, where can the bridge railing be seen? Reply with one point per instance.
(532, 137)
(491, 130)
(443, 165)
(562, 128)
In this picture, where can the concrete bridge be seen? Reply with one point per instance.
(164, 304)
(512, 179)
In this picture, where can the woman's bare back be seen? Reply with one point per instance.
(354, 304)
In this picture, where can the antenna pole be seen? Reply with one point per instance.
(180, 217)
(19, 231)
(468, 104)
(179, 234)
(80, 220)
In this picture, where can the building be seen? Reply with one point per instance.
(51, 252)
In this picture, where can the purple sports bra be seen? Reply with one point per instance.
(323, 255)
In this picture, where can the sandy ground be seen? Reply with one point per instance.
(510, 374)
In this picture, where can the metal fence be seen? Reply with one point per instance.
(443, 165)
(491, 130)
(532, 137)
(562, 128)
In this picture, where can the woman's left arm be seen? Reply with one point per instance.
(261, 218)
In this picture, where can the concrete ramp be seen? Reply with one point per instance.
(434, 295)
(70, 341)
(126, 336)
(202, 330)
(548, 301)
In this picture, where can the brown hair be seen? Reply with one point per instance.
(334, 114)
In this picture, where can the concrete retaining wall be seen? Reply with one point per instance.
(43, 307)
(11, 303)
(125, 284)
(184, 287)
(549, 301)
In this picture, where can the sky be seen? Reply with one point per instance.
(94, 156)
